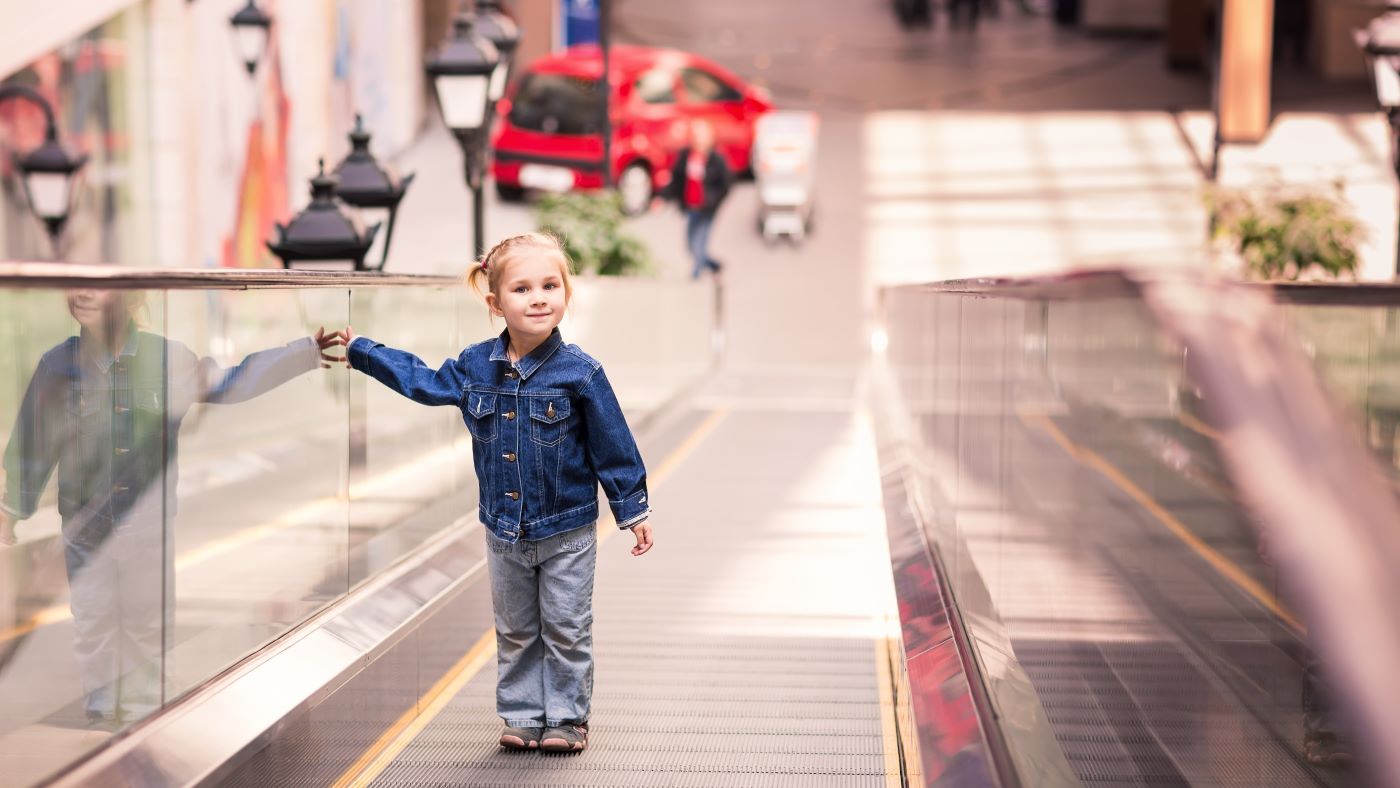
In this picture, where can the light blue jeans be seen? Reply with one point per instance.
(697, 237)
(542, 592)
(122, 616)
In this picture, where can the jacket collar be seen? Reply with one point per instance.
(527, 366)
(96, 353)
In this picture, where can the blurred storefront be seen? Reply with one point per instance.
(192, 161)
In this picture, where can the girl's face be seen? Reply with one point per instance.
(530, 296)
(97, 309)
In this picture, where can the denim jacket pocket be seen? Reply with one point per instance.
(549, 419)
(85, 406)
(481, 415)
(149, 400)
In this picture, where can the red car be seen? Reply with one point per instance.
(548, 134)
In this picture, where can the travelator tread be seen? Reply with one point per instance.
(680, 699)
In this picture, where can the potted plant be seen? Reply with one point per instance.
(1289, 234)
(590, 225)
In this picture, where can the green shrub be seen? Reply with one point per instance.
(590, 225)
(1285, 234)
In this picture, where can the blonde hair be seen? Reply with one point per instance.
(484, 276)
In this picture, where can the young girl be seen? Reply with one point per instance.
(546, 430)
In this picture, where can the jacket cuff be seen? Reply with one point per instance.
(358, 352)
(630, 510)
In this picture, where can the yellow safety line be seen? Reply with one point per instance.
(1196, 425)
(393, 741)
(688, 445)
(409, 724)
(889, 731)
(306, 513)
(1227, 568)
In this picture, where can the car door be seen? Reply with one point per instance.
(709, 97)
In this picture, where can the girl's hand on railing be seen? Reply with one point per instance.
(326, 341)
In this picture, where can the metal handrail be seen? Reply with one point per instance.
(65, 275)
(1128, 282)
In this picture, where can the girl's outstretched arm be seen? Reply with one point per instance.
(406, 373)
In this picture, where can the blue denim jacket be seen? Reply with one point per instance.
(545, 431)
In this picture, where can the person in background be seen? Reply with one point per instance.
(700, 181)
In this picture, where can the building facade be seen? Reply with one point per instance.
(192, 159)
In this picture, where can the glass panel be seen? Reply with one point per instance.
(1095, 541)
(410, 466)
(645, 367)
(1356, 351)
(83, 420)
(258, 450)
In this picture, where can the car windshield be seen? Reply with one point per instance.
(557, 104)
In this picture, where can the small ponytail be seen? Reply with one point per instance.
(478, 279)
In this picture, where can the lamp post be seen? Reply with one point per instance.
(1380, 41)
(250, 27)
(322, 233)
(461, 71)
(373, 189)
(496, 26)
(48, 171)
(605, 87)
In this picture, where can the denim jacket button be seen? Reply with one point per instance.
(509, 456)
(513, 495)
(512, 374)
(510, 415)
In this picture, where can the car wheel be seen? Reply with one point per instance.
(635, 186)
(509, 193)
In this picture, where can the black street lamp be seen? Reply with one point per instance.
(48, 172)
(461, 71)
(251, 26)
(323, 233)
(370, 187)
(1380, 41)
(501, 30)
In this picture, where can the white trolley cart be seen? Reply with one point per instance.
(784, 155)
